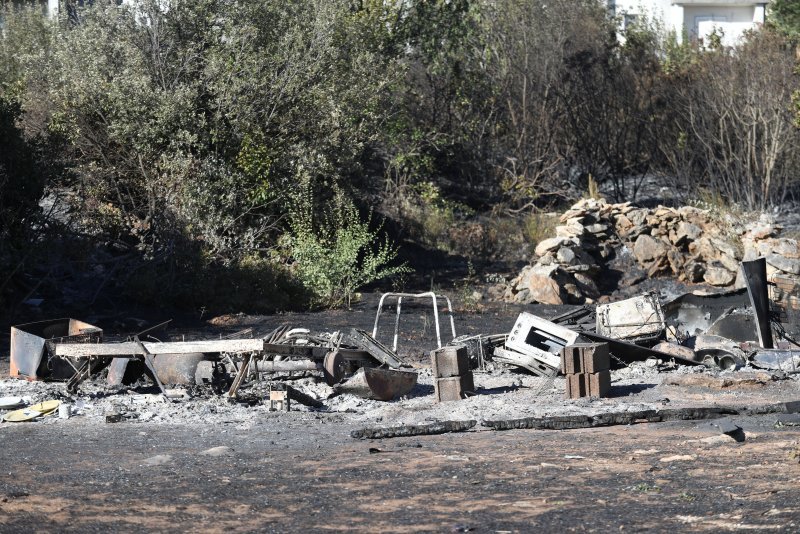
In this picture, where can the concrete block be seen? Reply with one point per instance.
(588, 384)
(576, 387)
(450, 361)
(453, 388)
(598, 384)
(585, 358)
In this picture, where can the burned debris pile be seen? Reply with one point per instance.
(726, 331)
(571, 358)
(353, 361)
(694, 245)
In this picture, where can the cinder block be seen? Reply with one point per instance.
(453, 388)
(571, 360)
(576, 386)
(596, 358)
(450, 361)
(597, 384)
(585, 358)
(588, 384)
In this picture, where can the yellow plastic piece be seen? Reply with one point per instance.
(32, 412)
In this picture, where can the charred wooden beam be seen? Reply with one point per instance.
(439, 427)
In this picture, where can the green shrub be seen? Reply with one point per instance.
(339, 253)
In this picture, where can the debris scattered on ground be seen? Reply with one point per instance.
(729, 428)
(617, 363)
(678, 458)
(216, 452)
(747, 379)
(32, 412)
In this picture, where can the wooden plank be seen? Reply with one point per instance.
(132, 349)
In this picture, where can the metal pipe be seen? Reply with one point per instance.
(436, 320)
(396, 323)
(287, 366)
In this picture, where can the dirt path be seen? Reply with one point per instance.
(641, 477)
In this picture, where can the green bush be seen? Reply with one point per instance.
(339, 253)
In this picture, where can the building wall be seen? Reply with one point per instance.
(732, 21)
(653, 9)
(697, 18)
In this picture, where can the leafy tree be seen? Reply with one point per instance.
(785, 16)
(21, 187)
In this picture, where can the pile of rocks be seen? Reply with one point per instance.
(689, 243)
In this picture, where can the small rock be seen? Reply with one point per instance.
(694, 271)
(222, 450)
(648, 250)
(729, 428)
(787, 265)
(159, 459)
(725, 248)
(545, 284)
(687, 232)
(676, 260)
(623, 225)
(598, 228)
(718, 276)
(762, 231)
(565, 256)
(523, 297)
(553, 244)
(788, 248)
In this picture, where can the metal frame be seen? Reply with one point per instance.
(400, 296)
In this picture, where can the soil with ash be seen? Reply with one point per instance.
(207, 464)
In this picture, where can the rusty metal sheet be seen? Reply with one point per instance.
(116, 371)
(178, 368)
(692, 314)
(32, 347)
(787, 360)
(680, 351)
(376, 349)
(755, 276)
(737, 324)
(630, 352)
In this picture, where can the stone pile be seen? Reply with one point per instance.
(695, 245)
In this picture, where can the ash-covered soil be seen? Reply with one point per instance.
(209, 464)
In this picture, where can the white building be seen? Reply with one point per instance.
(696, 19)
